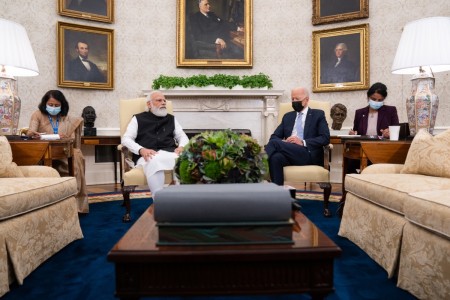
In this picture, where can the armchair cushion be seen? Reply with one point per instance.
(383, 169)
(38, 171)
(8, 168)
(429, 155)
(309, 173)
(19, 196)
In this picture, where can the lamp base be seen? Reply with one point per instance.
(9, 106)
(422, 105)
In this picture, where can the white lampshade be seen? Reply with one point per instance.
(16, 54)
(424, 43)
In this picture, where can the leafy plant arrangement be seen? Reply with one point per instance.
(221, 80)
(221, 157)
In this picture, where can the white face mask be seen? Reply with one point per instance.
(53, 110)
(376, 104)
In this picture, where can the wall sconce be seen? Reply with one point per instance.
(16, 59)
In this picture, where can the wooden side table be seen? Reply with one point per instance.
(105, 140)
(32, 152)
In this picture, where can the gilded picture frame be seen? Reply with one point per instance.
(229, 23)
(85, 56)
(348, 45)
(333, 11)
(94, 10)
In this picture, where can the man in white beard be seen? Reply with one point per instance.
(156, 139)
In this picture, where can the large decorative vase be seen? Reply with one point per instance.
(9, 106)
(422, 105)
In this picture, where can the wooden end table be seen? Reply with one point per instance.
(32, 152)
(144, 269)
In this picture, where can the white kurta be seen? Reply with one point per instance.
(163, 160)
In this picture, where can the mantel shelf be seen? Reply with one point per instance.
(220, 92)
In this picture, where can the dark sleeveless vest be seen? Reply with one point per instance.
(155, 132)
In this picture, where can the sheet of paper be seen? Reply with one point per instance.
(349, 135)
(50, 137)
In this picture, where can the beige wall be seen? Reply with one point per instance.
(145, 48)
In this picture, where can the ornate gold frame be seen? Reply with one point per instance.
(101, 45)
(317, 18)
(329, 38)
(63, 10)
(246, 37)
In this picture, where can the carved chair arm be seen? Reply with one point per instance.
(326, 156)
(125, 155)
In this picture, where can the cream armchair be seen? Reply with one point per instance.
(133, 177)
(296, 175)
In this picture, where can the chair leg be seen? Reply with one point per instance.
(126, 190)
(326, 186)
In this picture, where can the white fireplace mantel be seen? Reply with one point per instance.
(253, 109)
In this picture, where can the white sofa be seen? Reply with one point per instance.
(400, 216)
(38, 216)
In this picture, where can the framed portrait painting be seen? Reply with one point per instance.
(95, 10)
(341, 59)
(214, 33)
(332, 11)
(85, 56)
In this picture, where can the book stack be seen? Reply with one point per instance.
(224, 214)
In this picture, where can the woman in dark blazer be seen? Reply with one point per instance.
(375, 118)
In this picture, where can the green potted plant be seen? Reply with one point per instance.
(219, 80)
(221, 157)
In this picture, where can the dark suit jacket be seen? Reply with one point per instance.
(208, 29)
(387, 115)
(315, 133)
(77, 71)
(90, 6)
(346, 71)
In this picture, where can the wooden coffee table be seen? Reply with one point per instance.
(144, 269)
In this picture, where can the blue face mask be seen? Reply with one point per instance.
(375, 104)
(53, 110)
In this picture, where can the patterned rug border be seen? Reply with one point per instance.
(117, 196)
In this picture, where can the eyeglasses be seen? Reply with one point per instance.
(298, 100)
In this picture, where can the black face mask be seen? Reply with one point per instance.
(297, 106)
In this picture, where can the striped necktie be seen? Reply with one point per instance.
(299, 125)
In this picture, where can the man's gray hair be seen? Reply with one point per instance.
(343, 45)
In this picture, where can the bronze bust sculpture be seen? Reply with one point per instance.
(89, 117)
(338, 113)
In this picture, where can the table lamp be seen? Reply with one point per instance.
(423, 50)
(16, 59)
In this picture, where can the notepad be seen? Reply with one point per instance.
(349, 135)
(50, 137)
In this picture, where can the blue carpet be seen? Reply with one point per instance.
(81, 271)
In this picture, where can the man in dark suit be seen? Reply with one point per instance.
(340, 69)
(88, 6)
(206, 27)
(82, 69)
(299, 139)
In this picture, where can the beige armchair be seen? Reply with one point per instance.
(296, 175)
(133, 177)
